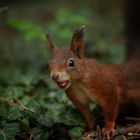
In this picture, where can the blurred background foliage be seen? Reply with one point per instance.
(31, 105)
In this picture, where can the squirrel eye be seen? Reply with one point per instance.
(71, 63)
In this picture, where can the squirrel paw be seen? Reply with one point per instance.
(108, 133)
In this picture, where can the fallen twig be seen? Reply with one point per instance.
(98, 133)
(23, 107)
(132, 119)
(131, 129)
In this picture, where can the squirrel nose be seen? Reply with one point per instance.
(55, 77)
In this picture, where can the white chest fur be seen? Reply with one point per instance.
(82, 92)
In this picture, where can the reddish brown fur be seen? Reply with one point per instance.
(107, 85)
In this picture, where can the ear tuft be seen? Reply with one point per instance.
(77, 42)
(51, 44)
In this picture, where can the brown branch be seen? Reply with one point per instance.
(135, 129)
(132, 119)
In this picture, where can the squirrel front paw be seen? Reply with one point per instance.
(108, 132)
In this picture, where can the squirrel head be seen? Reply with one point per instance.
(67, 64)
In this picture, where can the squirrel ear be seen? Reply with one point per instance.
(51, 44)
(77, 42)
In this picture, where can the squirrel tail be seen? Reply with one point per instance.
(132, 29)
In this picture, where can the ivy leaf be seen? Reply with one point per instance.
(51, 117)
(40, 134)
(2, 135)
(4, 111)
(76, 133)
(9, 131)
(24, 124)
(73, 117)
(45, 121)
(14, 113)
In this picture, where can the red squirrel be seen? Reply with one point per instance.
(85, 80)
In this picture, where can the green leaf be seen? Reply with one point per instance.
(40, 134)
(26, 99)
(45, 121)
(14, 113)
(24, 124)
(30, 31)
(73, 117)
(76, 133)
(4, 111)
(10, 130)
(51, 116)
(2, 135)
